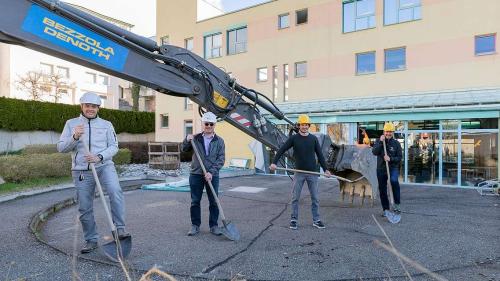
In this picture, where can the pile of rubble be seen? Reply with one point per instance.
(143, 170)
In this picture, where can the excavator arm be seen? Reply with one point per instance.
(63, 31)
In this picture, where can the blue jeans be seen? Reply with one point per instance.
(197, 183)
(382, 186)
(85, 192)
(312, 184)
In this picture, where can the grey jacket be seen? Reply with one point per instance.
(99, 135)
(213, 161)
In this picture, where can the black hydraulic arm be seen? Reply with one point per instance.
(63, 31)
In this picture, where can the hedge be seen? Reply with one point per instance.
(21, 115)
(40, 149)
(19, 168)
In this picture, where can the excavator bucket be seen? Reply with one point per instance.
(354, 162)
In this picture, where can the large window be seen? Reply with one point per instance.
(46, 69)
(188, 104)
(237, 41)
(188, 44)
(395, 59)
(275, 83)
(63, 71)
(103, 80)
(90, 77)
(365, 63)
(213, 46)
(301, 16)
(397, 11)
(358, 15)
(301, 69)
(485, 44)
(284, 21)
(262, 74)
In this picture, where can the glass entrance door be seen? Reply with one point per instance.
(423, 157)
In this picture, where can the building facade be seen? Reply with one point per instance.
(430, 66)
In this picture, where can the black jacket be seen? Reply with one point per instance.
(394, 151)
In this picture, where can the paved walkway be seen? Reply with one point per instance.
(450, 231)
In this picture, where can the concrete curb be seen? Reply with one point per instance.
(22, 194)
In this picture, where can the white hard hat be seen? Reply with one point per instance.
(209, 117)
(90, 98)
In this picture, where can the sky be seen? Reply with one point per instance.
(142, 13)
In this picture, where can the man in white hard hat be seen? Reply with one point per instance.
(100, 137)
(212, 150)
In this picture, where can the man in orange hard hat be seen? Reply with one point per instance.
(393, 157)
(305, 146)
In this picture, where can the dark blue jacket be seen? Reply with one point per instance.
(394, 151)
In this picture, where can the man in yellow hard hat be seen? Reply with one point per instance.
(393, 157)
(305, 146)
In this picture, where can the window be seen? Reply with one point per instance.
(285, 82)
(237, 41)
(395, 59)
(301, 16)
(485, 44)
(164, 120)
(188, 43)
(90, 77)
(275, 83)
(63, 71)
(262, 74)
(46, 69)
(358, 15)
(396, 11)
(103, 80)
(121, 92)
(188, 104)
(301, 69)
(104, 100)
(365, 63)
(165, 40)
(213, 46)
(188, 127)
(284, 21)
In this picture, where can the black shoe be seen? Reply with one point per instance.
(397, 209)
(194, 230)
(215, 230)
(293, 224)
(318, 224)
(122, 234)
(88, 247)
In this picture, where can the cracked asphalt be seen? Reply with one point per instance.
(452, 232)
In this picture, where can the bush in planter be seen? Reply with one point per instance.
(40, 149)
(19, 168)
(139, 151)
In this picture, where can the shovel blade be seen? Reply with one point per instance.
(393, 217)
(230, 231)
(116, 251)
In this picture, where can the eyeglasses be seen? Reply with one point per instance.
(209, 124)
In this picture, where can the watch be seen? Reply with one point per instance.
(100, 157)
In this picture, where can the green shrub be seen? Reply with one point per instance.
(139, 151)
(40, 149)
(19, 168)
(21, 115)
(122, 157)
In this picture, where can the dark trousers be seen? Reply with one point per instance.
(197, 183)
(382, 186)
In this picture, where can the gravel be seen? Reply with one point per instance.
(143, 170)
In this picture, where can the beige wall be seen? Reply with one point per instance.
(439, 49)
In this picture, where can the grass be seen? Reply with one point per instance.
(32, 184)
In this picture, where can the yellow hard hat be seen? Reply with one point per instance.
(303, 119)
(389, 127)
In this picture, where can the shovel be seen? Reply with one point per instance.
(117, 249)
(230, 230)
(316, 173)
(391, 217)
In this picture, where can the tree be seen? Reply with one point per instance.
(136, 88)
(31, 82)
(59, 86)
